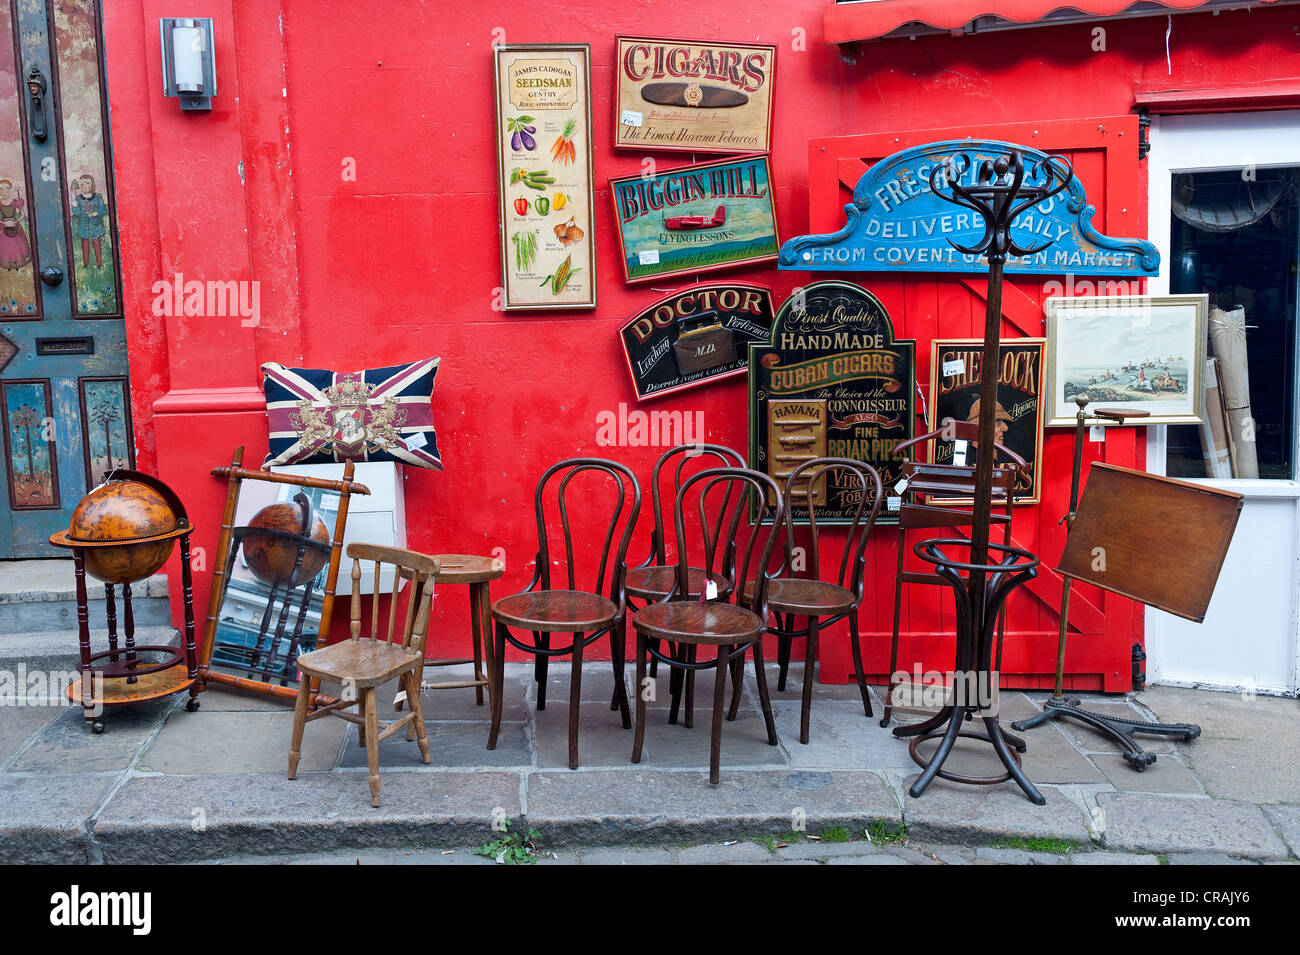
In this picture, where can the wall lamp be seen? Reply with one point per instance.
(189, 62)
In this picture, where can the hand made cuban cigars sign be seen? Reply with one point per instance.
(693, 95)
(694, 337)
(831, 381)
(896, 223)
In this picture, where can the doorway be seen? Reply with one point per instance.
(1225, 212)
(64, 393)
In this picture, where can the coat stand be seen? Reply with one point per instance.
(1118, 729)
(1001, 190)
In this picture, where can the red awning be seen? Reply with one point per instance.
(864, 20)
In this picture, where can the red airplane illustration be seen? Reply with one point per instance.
(698, 222)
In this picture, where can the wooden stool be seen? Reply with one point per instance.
(478, 572)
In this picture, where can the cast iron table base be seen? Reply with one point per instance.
(1117, 728)
(974, 665)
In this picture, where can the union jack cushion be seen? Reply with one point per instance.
(381, 414)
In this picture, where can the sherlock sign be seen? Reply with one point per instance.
(694, 95)
(831, 380)
(897, 224)
(956, 376)
(697, 218)
(694, 337)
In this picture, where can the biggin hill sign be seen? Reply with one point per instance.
(897, 224)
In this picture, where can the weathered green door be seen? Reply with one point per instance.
(63, 369)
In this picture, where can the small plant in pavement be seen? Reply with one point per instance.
(882, 833)
(1060, 847)
(835, 834)
(513, 847)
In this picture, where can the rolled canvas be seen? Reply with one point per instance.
(1228, 335)
(1214, 427)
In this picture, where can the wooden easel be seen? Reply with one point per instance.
(236, 474)
(1108, 546)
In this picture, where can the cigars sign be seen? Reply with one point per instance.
(831, 381)
(694, 337)
(694, 95)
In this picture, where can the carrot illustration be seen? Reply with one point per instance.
(562, 150)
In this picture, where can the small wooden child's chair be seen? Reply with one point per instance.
(363, 663)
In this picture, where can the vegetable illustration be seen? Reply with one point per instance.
(543, 205)
(560, 201)
(525, 249)
(568, 232)
(521, 206)
(521, 133)
(538, 179)
(560, 277)
(563, 149)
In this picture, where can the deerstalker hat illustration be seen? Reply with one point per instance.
(999, 415)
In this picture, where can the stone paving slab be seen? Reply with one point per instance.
(43, 581)
(1286, 820)
(839, 735)
(972, 815)
(1241, 753)
(1049, 759)
(666, 807)
(240, 742)
(1168, 774)
(1112, 858)
(18, 724)
(44, 818)
(67, 744)
(1140, 822)
(155, 819)
(451, 746)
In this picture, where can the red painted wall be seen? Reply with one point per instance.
(403, 261)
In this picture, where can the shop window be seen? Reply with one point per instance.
(1235, 236)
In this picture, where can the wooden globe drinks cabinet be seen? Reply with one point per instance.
(122, 532)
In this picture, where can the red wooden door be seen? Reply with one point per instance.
(1103, 627)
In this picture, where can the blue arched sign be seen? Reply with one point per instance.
(897, 224)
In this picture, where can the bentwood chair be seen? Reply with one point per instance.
(586, 614)
(935, 482)
(691, 621)
(823, 603)
(361, 664)
(653, 579)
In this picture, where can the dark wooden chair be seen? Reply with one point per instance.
(586, 614)
(940, 481)
(653, 579)
(688, 621)
(361, 664)
(822, 602)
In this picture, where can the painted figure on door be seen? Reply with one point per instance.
(15, 249)
(90, 218)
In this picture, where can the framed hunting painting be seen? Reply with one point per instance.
(693, 95)
(696, 218)
(543, 132)
(956, 376)
(1145, 353)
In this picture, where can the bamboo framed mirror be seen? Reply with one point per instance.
(274, 581)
